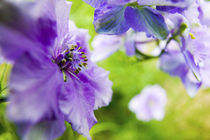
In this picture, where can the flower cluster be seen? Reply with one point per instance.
(183, 52)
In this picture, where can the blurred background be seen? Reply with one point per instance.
(185, 119)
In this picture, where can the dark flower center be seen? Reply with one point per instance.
(72, 60)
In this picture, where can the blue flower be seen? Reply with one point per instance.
(117, 16)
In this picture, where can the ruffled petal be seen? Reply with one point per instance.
(146, 19)
(76, 102)
(110, 20)
(80, 96)
(99, 79)
(105, 45)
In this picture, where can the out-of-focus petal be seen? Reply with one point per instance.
(48, 129)
(146, 19)
(178, 3)
(149, 104)
(130, 46)
(105, 45)
(20, 31)
(191, 84)
(203, 12)
(33, 88)
(174, 64)
(110, 20)
(191, 63)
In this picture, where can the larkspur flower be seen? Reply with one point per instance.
(189, 61)
(116, 17)
(149, 104)
(52, 80)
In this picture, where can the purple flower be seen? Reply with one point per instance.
(117, 16)
(51, 80)
(191, 61)
(149, 104)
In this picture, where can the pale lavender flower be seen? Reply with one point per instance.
(52, 80)
(149, 104)
(106, 45)
(190, 61)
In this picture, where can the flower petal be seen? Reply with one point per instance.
(77, 104)
(146, 19)
(120, 2)
(173, 63)
(191, 63)
(33, 88)
(178, 3)
(130, 46)
(80, 96)
(110, 20)
(105, 45)
(95, 3)
(35, 33)
(191, 84)
(48, 129)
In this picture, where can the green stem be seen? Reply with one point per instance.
(2, 77)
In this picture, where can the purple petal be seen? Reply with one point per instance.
(80, 96)
(110, 20)
(99, 80)
(170, 9)
(33, 86)
(147, 20)
(120, 2)
(77, 104)
(191, 84)
(57, 10)
(95, 3)
(173, 63)
(191, 63)
(105, 45)
(16, 24)
(44, 130)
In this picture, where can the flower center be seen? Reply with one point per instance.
(73, 60)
